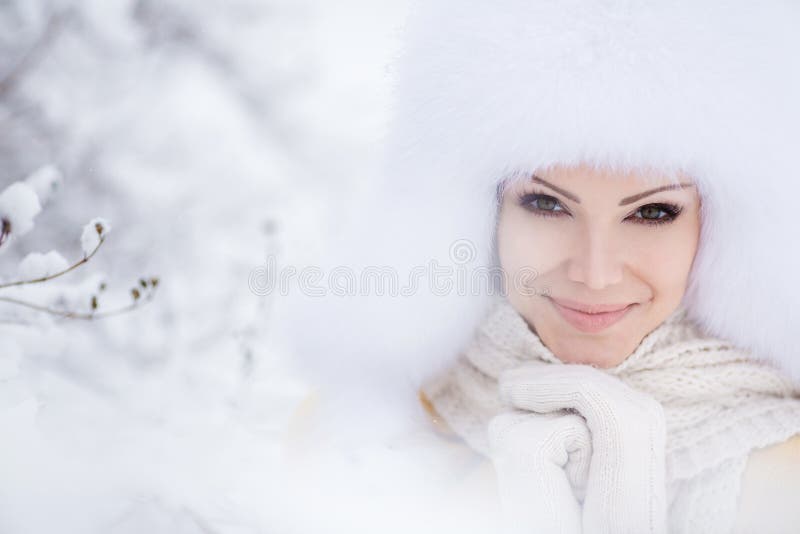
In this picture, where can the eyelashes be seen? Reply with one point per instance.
(654, 214)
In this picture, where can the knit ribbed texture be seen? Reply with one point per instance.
(719, 401)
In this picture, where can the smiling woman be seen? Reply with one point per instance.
(598, 243)
(641, 361)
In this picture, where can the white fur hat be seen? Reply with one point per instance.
(485, 89)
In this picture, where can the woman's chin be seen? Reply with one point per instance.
(592, 352)
(600, 362)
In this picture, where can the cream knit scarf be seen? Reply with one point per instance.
(720, 403)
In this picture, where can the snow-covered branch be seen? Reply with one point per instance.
(139, 298)
(19, 204)
(37, 262)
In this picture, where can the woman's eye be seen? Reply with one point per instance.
(541, 204)
(657, 213)
(650, 214)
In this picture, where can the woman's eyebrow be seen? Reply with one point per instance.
(567, 194)
(623, 202)
(634, 198)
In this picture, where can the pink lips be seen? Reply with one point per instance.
(591, 319)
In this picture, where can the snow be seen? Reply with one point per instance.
(45, 181)
(92, 232)
(19, 205)
(37, 265)
(196, 127)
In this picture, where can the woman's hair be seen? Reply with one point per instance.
(501, 187)
(497, 281)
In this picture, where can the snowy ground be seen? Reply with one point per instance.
(209, 135)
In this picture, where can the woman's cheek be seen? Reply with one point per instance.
(664, 259)
(526, 245)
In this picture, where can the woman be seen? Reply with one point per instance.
(590, 234)
(661, 414)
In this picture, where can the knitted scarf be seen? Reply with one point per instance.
(719, 402)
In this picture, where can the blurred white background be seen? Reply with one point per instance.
(209, 135)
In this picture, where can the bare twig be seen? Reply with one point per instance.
(56, 275)
(81, 315)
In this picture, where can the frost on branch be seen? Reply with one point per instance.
(18, 206)
(97, 229)
(22, 201)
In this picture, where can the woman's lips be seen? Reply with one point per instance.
(590, 322)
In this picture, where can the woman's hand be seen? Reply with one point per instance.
(626, 489)
(541, 462)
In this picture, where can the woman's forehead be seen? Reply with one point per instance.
(572, 180)
(626, 175)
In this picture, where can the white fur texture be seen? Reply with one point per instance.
(485, 89)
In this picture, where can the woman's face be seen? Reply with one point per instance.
(583, 239)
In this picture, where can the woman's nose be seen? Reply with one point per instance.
(596, 260)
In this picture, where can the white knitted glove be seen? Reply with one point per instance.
(626, 490)
(541, 462)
